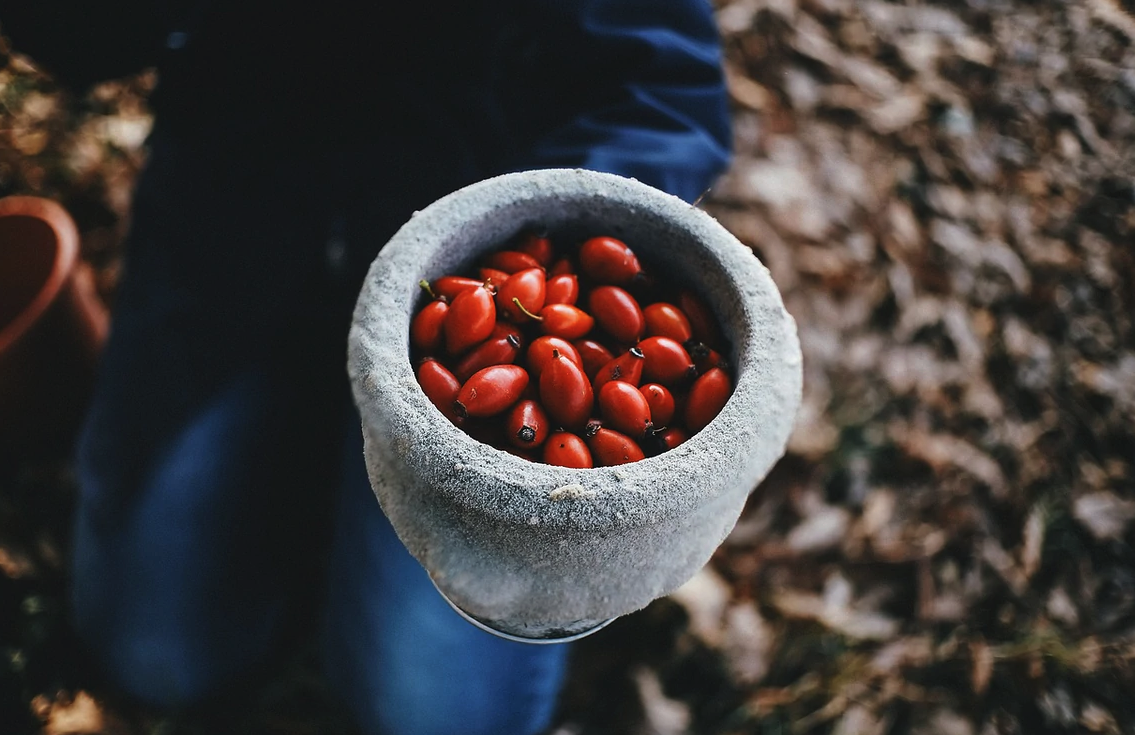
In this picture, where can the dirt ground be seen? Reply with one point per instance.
(944, 193)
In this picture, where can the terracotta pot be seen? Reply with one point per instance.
(542, 553)
(52, 326)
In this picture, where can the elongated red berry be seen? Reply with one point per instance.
(541, 349)
(450, 286)
(471, 319)
(501, 348)
(565, 449)
(617, 313)
(607, 260)
(627, 367)
(609, 447)
(562, 289)
(539, 247)
(440, 386)
(512, 261)
(593, 354)
(624, 408)
(667, 362)
(707, 397)
(427, 329)
(661, 402)
(527, 425)
(666, 320)
(703, 326)
(565, 392)
(491, 391)
(527, 287)
(565, 320)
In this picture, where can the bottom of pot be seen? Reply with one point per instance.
(535, 634)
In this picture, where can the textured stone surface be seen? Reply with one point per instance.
(541, 551)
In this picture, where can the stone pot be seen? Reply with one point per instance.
(52, 326)
(543, 553)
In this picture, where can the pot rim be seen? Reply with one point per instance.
(535, 494)
(66, 235)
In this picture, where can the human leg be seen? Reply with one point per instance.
(405, 662)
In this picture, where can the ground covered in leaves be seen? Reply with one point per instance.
(944, 194)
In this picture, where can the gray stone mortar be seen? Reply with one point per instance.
(543, 552)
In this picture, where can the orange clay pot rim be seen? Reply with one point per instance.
(66, 252)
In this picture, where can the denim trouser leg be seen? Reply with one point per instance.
(209, 473)
(405, 661)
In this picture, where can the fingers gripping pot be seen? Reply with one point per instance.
(539, 552)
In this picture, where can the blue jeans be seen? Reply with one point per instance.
(224, 508)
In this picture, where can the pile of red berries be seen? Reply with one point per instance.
(575, 360)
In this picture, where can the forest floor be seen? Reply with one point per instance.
(945, 195)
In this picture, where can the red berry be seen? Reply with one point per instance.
(666, 320)
(541, 349)
(708, 396)
(617, 313)
(501, 348)
(491, 391)
(667, 362)
(564, 449)
(609, 447)
(440, 386)
(703, 327)
(607, 260)
(624, 408)
(565, 392)
(562, 289)
(565, 320)
(528, 288)
(627, 367)
(512, 261)
(471, 319)
(449, 286)
(539, 247)
(527, 425)
(594, 356)
(661, 402)
(427, 330)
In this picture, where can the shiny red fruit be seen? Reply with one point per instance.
(501, 348)
(627, 367)
(540, 353)
(491, 391)
(609, 447)
(661, 402)
(471, 319)
(440, 386)
(539, 247)
(666, 320)
(565, 449)
(607, 260)
(565, 320)
(450, 286)
(527, 425)
(562, 289)
(528, 288)
(427, 329)
(512, 261)
(707, 397)
(493, 277)
(617, 313)
(624, 408)
(565, 392)
(703, 326)
(593, 354)
(667, 362)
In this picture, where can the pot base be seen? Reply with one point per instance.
(538, 635)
